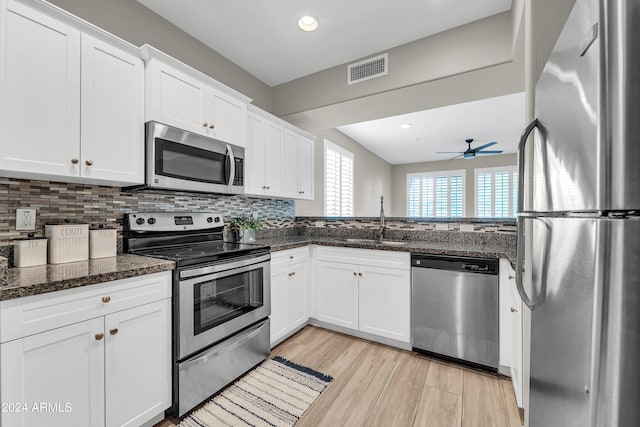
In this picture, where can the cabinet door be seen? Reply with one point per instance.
(229, 119)
(290, 165)
(385, 302)
(112, 143)
(507, 327)
(516, 349)
(138, 363)
(273, 154)
(305, 169)
(254, 160)
(336, 290)
(299, 295)
(176, 99)
(279, 303)
(61, 372)
(39, 94)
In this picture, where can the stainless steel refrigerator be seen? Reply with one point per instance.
(583, 227)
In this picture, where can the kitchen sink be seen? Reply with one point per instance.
(374, 242)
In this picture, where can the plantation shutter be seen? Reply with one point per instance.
(496, 192)
(438, 194)
(338, 180)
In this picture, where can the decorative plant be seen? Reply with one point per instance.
(246, 222)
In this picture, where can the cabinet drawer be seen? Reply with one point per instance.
(22, 317)
(289, 256)
(370, 257)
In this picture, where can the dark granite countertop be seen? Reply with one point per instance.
(22, 282)
(414, 246)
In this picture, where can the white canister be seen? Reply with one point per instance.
(67, 242)
(29, 252)
(102, 242)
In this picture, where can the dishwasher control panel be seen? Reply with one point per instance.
(464, 264)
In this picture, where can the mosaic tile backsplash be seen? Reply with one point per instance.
(55, 201)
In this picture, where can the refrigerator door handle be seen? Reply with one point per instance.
(520, 266)
(520, 236)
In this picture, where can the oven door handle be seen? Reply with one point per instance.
(215, 271)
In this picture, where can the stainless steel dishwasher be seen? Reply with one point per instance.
(454, 308)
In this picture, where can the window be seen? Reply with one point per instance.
(436, 194)
(338, 180)
(496, 192)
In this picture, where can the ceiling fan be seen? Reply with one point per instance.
(470, 153)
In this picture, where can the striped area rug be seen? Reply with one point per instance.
(276, 393)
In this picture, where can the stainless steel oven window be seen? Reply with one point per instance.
(219, 300)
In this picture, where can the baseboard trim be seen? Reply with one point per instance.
(358, 334)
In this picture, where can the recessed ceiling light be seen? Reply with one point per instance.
(406, 126)
(308, 23)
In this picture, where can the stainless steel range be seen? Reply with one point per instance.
(221, 299)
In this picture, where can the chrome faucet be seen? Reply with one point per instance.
(381, 218)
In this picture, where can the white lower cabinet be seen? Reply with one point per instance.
(510, 328)
(112, 369)
(289, 292)
(372, 296)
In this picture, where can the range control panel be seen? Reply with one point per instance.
(168, 221)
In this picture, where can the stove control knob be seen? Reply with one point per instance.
(151, 221)
(217, 219)
(209, 219)
(140, 221)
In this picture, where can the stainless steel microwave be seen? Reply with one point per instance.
(181, 160)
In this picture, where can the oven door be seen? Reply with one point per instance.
(215, 306)
(181, 160)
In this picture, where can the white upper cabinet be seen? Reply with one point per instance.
(112, 134)
(305, 168)
(39, 93)
(71, 99)
(279, 158)
(175, 99)
(179, 96)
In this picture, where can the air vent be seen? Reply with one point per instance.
(368, 69)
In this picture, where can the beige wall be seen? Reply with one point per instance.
(399, 178)
(133, 22)
(469, 47)
(372, 178)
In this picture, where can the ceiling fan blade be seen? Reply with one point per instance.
(449, 152)
(484, 146)
(456, 156)
(489, 152)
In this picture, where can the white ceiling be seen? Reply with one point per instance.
(499, 119)
(263, 38)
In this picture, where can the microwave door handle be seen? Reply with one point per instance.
(232, 165)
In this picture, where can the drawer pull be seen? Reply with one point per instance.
(355, 274)
(511, 277)
(514, 310)
(106, 299)
(113, 331)
(360, 274)
(291, 257)
(99, 336)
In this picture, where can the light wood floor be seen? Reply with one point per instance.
(376, 385)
